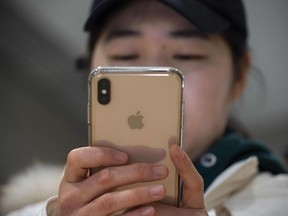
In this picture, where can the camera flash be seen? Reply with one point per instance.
(104, 91)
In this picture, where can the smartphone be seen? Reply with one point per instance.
(138, 110)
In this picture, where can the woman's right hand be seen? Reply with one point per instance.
(80, 194)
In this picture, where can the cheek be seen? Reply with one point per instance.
(209, 87)
(209, 90)
(203, 100)
(98, 58)
(206, 96)
(96, 62)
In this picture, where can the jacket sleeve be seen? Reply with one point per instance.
(37, 209)
(242, 190)
(267, 194)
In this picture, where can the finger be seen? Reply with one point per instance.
(165, 210)
(141, 211)
(112, 202)
(112, 177)
(80, 160)
(193, 187)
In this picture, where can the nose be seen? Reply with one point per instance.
(156, 54)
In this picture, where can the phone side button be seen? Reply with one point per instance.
(183, 115)
(88, 113)
(89, 135)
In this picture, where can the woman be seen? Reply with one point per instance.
(207, 41)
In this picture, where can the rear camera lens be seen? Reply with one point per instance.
(104, 95)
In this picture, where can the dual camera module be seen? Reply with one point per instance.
(104, 91)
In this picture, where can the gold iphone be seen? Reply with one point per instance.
(138, 110)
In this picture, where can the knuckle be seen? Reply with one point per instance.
(98, 152)
(107, 201)
(200, 212)
(73, 157)
(141, 171)
(200, 181)
(141, 196)
(199, 184)
(66, 202)
(106, 175)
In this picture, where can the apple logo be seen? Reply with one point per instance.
(135, 121)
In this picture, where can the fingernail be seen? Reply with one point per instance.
(147, 211)
(156, 190)
(120, 156)
(159, 170)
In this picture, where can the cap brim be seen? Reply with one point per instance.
(200, 15)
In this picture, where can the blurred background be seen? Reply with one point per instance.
(43, 95)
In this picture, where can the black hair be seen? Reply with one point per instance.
(84, 63)
(95, 32)
(238, 48)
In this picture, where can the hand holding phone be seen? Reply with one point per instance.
(84, 194)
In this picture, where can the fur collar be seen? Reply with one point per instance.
(36, 183)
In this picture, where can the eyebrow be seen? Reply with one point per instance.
(186, 33)
(189, 33)
(121, 33)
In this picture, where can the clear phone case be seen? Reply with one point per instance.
(138, 110)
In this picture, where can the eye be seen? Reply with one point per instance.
(123, 57)
(188, 57)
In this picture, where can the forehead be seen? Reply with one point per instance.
(146, 12)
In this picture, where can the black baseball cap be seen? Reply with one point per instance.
(209, 16)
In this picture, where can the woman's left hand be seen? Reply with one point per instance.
(193, 191)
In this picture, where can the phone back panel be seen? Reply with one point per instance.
(143, 117)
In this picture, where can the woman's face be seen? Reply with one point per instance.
(151, 34)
